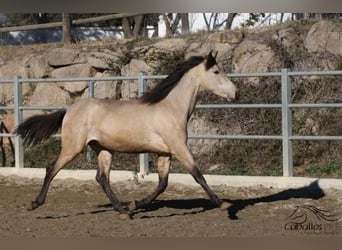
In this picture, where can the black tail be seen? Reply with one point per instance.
(38, 128)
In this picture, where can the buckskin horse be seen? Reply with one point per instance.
(156, 122)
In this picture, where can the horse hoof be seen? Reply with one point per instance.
(132, 206)
(224, 205)
(124, 216)
(34, 205)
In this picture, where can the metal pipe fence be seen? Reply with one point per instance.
(285, 106)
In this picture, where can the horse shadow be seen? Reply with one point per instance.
(195, 206)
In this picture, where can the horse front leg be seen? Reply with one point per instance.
(184, 156)
(163, 166)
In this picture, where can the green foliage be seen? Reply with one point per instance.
(43, 154)
(332, 170)
(253, 19)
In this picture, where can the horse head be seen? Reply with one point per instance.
(215, 80)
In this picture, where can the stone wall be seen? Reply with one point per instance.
(260, 50)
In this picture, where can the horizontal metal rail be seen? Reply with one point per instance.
(316, 73)
(284, 107)
(237, 137)
(316, 105)
(237, 106)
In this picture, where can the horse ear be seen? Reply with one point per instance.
(210, 60)
(215, 54)
(211, 54)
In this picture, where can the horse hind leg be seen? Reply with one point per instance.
(102, 177)
(67, 154)
(163, 166)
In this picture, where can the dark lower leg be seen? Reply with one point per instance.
(160, 189)
(104, 182)
(163, 165)
(50, 174)
(199, 178)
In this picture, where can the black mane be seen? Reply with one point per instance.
(160, 91)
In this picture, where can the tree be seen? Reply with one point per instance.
(137, 25)
(253, 19)
(230, 20)
(185, 23)
(211, 21)
(316, 16)
(66, 28)
(171, 23)
(215, 21)
(132, 26)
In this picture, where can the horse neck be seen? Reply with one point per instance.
(184, 96)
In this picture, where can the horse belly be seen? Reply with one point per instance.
(130, 141)
(125, 128)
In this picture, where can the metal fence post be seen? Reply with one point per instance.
(286, 123)
(91, 89)
(143, 158)
(91, 93)
(18, 117)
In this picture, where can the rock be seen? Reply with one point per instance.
(104, 89)
(103, 61)
(8, 71)
(74, 71)
(223, 42)
(37, 66)
(197, 48)
(288, 38)
(129, 89)
(226, 36)
(224, 55)
(49, 94)
(324, 36)
(251, 56)
(59, 57)
(172, 44)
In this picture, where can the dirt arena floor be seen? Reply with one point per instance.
(81, 209)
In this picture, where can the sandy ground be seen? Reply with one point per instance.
(81, 209)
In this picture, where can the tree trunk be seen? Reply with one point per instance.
(66, 28)
(171, 27)
(185, 23)
(175, 23)
(138, 25)
(126, 28)
(230, 20)
(167, 25)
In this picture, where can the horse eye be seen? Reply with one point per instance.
(216, 72)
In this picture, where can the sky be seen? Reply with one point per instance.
(197, 21)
